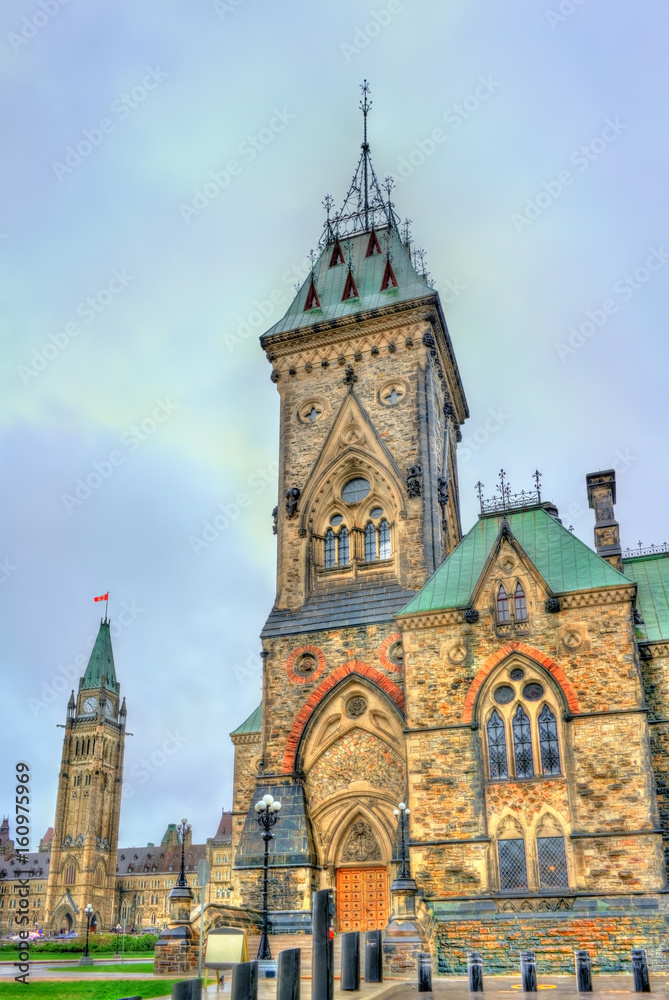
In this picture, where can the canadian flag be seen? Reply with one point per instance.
(104, 597)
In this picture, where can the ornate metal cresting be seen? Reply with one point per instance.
(505, 500)
(267, 810)
(646, 550)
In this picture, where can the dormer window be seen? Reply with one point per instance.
(502, 605)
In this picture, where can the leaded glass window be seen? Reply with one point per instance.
(552, 863)
(548, 742)
(499, 767)
(522, 744)
(502, 605)
(512, 866)
(370, 543)
(343, 546)
(520, 607)
(329, 549)
(384, 540)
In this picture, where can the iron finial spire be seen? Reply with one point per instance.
(365, 106)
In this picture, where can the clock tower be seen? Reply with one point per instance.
(85, 840)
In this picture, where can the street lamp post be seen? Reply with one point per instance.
(268, 813)
(401, 813)
(85, 958)
(118, 932)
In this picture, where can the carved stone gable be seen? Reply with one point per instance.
(361, 844)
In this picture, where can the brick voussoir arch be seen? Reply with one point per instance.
(518, 647)
(316, 697)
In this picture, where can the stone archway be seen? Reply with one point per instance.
(362, 880)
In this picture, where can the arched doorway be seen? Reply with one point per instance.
(362, 881)
(353, 759)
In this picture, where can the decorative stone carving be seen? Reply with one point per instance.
(442, 491)
(275, 515)
(471, 616)
(413, 477)
(275, 375)
(292, 496)
(361, 844)
(552, 605)
(355, 707)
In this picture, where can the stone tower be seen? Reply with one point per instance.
(85, 840)
(371, 406)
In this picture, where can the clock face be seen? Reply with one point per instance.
(90, 705)
(109, 709)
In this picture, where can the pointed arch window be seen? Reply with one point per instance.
(552, 859)
(70, 875)
(370, 542)
(522, 744)
(502, 605)
(384, 540)
(499, 766)
(343, 546)
(519, 604)
(548, 742)
(329, 549)
(512, 864)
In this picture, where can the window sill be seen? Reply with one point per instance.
(525, 781)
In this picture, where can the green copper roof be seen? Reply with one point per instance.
(652, 576)
(368, 276)
(564, 562)
(101, 662)
(252, 725)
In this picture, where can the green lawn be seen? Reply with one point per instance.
(110, 989)
(99, 967)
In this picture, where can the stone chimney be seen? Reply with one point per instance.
(601, 497)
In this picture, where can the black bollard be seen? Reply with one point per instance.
(373, 957)
(528, 970)
(424, 972)
(583, 972)
(350, 961)
(187, 989)
(288, 975)
(640, 970)
(475, 970)
(322, 957)
(244, 981)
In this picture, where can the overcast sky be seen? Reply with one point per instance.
(167, 161)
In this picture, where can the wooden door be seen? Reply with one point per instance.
(362, 899)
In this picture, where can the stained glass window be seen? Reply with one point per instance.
(370, 542)
(520, 607)
(522, 745)
(512, 866)
(548, 742)
(502, 605)
(499, 767)
(384, 540)
(552, 863)
(343, 546)
(329, 549)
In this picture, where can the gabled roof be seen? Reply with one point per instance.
(252, 725)
(101, 662)
(562, 559)
(224, 831)
(368, 272)
(652, 576)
